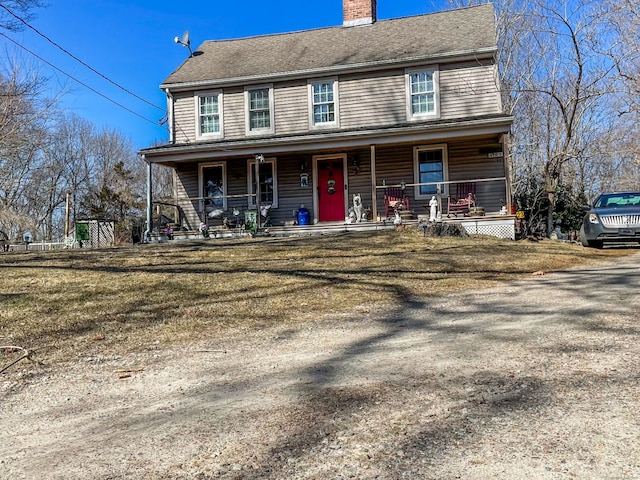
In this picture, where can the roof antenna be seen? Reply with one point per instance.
(185, 42)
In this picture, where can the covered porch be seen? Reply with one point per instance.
(476, 220)
(309, 185)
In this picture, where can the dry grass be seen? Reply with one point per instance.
(123, 299)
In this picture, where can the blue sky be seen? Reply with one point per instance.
(132, 44)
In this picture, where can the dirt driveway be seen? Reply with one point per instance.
(534, 380)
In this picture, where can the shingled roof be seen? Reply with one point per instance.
(463, 31)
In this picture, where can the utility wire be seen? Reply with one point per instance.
(79, 60)
(76, 80)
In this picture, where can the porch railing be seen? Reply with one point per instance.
(441, 187)
(202, 211)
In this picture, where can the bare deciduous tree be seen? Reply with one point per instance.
(566, 68)
(24, 113)
(11, 11)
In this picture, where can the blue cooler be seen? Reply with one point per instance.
(303, 216)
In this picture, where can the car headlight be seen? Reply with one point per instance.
(593, 218)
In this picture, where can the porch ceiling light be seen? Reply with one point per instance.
(259, 157)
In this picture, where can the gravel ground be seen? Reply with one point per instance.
(537, 379)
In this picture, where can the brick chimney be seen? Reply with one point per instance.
(358, 12)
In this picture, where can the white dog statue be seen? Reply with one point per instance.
(357, 207)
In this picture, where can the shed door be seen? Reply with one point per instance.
(331, 190)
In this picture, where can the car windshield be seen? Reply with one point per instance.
(615, 200)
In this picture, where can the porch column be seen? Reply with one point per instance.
(506, 159)
(374, 190)
(147, 232)
(259, 158)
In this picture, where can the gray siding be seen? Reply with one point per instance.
(291, 108)
(393, 165)
(290, 194)
(234, 118)
(187, 187)
(375, 100)
(466, 162)
(468, 90)
(359, 176)
(184, 115)
(367, 100)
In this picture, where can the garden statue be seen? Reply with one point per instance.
(357, 207)
(433, 209)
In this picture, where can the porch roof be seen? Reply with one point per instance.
(431, 37)
(336, 139)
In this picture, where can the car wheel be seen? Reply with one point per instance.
(583, 239)
(589, 243)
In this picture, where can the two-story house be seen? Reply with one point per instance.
(312, 117)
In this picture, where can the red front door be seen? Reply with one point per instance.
(331, 190)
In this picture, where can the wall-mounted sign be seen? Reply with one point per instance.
(495, 154)
(304, 180)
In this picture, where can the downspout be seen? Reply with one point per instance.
(147, 232)
(170, 112)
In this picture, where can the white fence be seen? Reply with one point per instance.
(36, 246)
(96, 234)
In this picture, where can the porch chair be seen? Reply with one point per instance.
(463, 200)
(394, 199)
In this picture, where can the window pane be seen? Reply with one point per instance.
(208, 105)
(209, 114)
(260, 120)
(422, 93)
(210, 124)
(323, 113)
(266, 182)
(422, 82)
(259, 99)
(259, 114)
(323, 103)
(430, 169)
(213, 185)
(323, 92)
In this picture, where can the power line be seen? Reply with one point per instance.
(79, 60)
(78, 81)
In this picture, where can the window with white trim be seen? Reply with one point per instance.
(259, 109)
(209, 114)
(422, 93)
(430, 166)
(213, 185)
(323, 98)
(268, 182)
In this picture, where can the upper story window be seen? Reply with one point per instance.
(209, 114)
(259, 104)
(422, 93)
(430, 167)
(323, 96)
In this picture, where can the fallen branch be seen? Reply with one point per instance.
(27, 353)
(128, 370)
